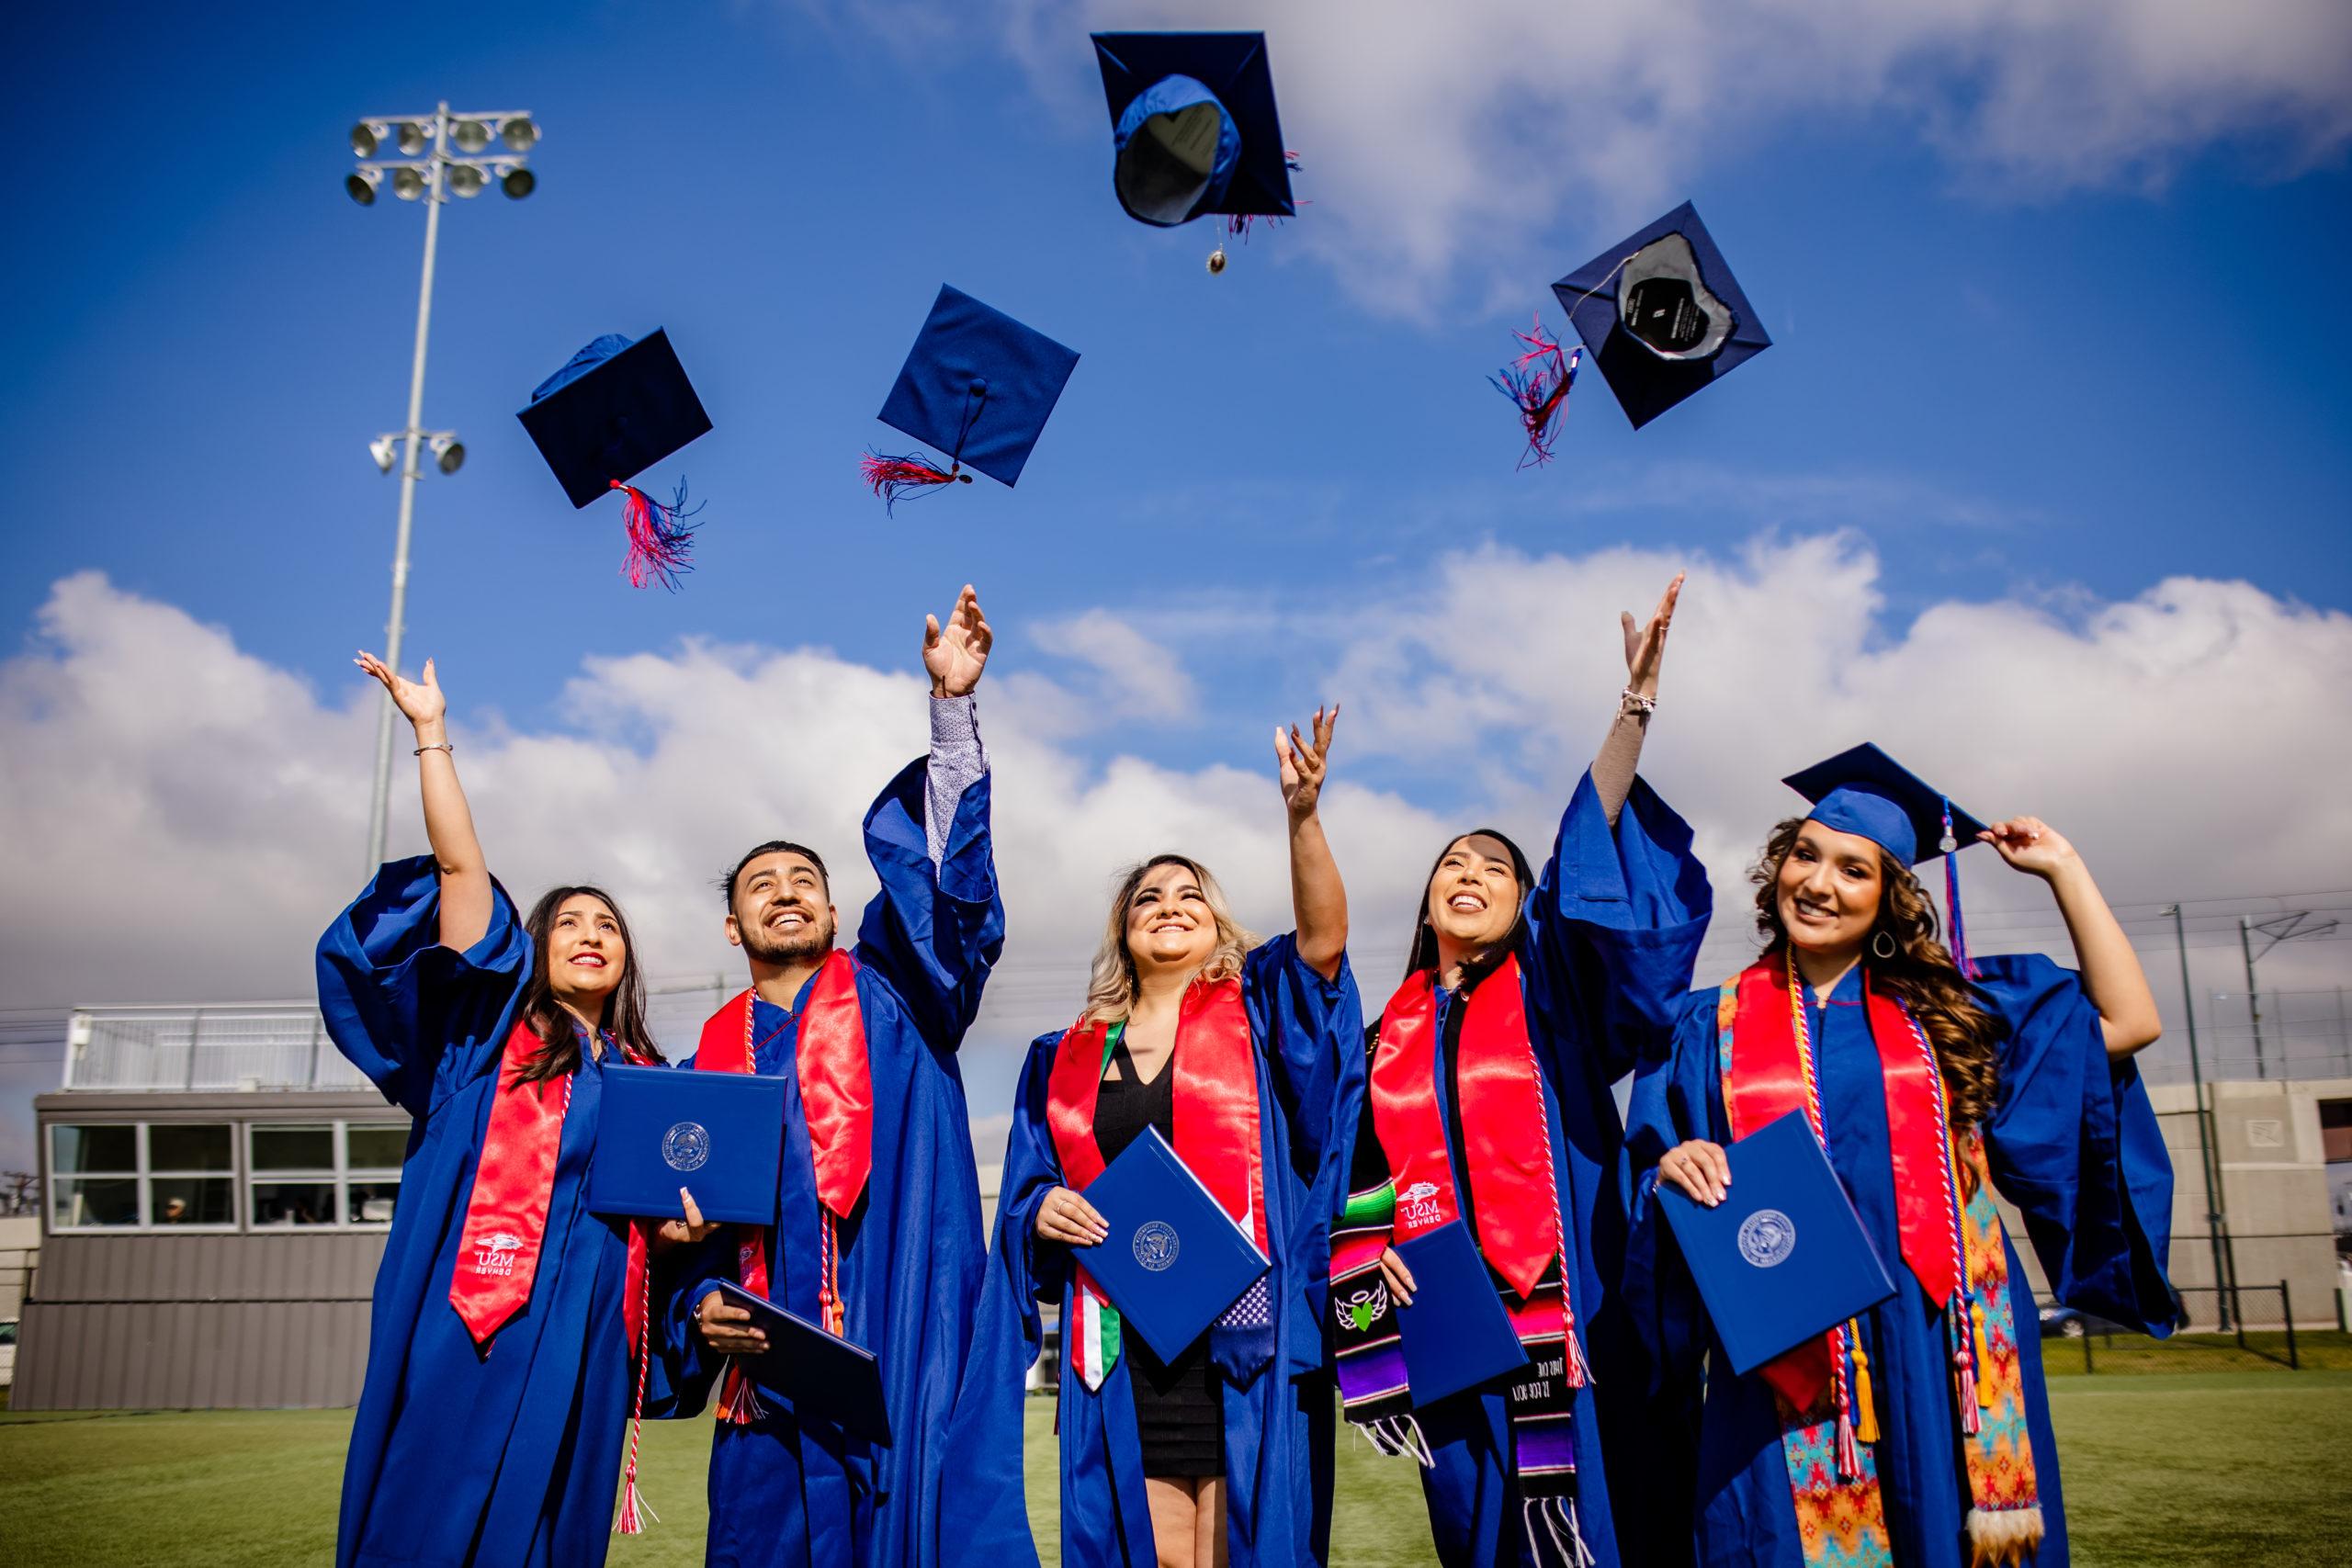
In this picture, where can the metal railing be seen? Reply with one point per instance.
(2232, 1298)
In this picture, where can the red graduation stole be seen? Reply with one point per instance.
(1505, 1137)
(1216, 1064)
(837, 1098)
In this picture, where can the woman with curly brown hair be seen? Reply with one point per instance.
(1916, 1433)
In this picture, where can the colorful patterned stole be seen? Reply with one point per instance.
(1952, 1243)
(1217, 1138)
(837, 1100)
(507, 1226)
(1498, 1107)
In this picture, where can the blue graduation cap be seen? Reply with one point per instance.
(978, 386)
(615, 409)
(1194, 129)
(1865, 791)
(1662, 314)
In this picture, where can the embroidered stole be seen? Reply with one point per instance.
(1217, 1138)
(506, 1226)
(1952, 1243)
(837, 1100)
(1498, 1107)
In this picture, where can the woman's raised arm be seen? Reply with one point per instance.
(2112, 977)
(1318, 900)
(465, 897)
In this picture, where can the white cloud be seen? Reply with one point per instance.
(179, 818)
(1439, 140)
(1137, 675)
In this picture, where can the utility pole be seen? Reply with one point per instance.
(2207, 1160)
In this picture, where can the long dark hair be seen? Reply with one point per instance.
(1423, 953)
(558, 1029)
(1921, 975)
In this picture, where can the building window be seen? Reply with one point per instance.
(329, 1174)
(372, 1170)
(119, 1175)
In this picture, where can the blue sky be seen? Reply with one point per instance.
(2047, 391)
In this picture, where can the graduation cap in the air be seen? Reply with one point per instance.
(615, 409)
(1193, 131)
(977, 386)
(1662, 314)
(1865, 791)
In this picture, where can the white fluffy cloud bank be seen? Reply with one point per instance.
(1438, 137)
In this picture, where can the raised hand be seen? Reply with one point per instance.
(956, 653)
(1303, 761)
(2031, 845)
(1646, 644)
(421, 700)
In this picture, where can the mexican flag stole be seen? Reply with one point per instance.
(1506, 1145)
(1953, 1244)
(837, 1099)
(1217, 1138)
(506, 1223)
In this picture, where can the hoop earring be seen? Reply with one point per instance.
(1883, 936)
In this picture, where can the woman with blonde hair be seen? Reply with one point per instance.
(1246, 1057)
(1917, 1432)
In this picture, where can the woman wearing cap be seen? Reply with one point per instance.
(1917, 1432)
(1245, 1057)
(1524, 998)
(505, 1346)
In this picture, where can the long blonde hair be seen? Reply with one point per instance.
(1111, 992)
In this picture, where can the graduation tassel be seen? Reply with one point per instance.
(635, 1510)
(1949, 844)
(1538, 382)
(658, 537)
(1963, 1362)
(1866, 1422)
(1849, 1456)
(894, 478)
(1984, 1384)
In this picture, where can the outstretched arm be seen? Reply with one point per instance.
(955, 655)
(1318, 900)
(1620, 756)
(448, 822)
(2112, 977)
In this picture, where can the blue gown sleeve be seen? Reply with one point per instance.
(932, 932)
(2074, 1143)
(1675, 1099)
(1311, 1031)
(420, 1019)
(1613, 927)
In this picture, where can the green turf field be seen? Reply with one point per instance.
(2230, 1467)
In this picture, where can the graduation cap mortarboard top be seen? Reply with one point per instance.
(978, 386)
(1865, 791)
(1193, 131)
(615, 409)
(1662, 314)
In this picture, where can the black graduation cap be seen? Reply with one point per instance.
(978, 386)
(1662, 314)
(1194, 129)
(615, 409)
(1865, 791)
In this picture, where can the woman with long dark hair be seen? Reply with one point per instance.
(1244, 1056)
(505, 1348)
(1525, 997)
(1917, 1433)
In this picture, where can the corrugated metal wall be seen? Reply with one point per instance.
(197, 1322)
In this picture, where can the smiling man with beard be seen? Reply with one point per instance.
(877, 1235)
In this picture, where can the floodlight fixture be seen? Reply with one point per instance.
(360, 185)
(466, 179)
(413, 139)
(448, 452)
(519, 133)
(381, 450)
(471, 135)
(407, 184)
(366, 137)
(518, 182)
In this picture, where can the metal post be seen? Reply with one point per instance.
(2286, 1310)
(2253, 998)
(2209, 1162)
(2087, 1368)
(415, 439)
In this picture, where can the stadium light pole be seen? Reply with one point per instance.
(2209, 1166)
(428, 171)
(2283, 927)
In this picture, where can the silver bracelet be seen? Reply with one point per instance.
(1632, 701)
(436, 746)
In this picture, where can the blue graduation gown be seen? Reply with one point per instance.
(789, 1494)
(1279, 1423)
(457, 1457)
(1613, 929)
(2072, 1142)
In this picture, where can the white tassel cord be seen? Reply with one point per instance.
(1560, 1527)
(1399, 1436)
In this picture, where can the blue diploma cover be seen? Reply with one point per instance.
(1175, 1260)
(1455, 1332)
(823, 1374)
(1783, 1257)
(720, 1134)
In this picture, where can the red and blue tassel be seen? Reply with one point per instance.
(896, 479)
(1950, 847)
(1538, 382)
(660, 538)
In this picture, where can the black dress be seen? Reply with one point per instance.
(1178, 1407)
